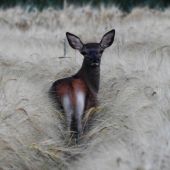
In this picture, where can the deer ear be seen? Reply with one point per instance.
(74, 41)
(107, 39)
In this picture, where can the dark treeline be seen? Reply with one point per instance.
(125, 5)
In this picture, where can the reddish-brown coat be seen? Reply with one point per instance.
(71, 87)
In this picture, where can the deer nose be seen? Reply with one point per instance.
(94, 59)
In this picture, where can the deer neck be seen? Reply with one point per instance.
(91, 76)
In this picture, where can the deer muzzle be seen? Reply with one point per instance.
(94, 59)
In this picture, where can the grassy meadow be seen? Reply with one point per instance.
(130, 130)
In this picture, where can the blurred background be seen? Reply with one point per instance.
(124, 5)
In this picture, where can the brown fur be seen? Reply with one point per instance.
(70, 87)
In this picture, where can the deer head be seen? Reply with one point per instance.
(92, 52)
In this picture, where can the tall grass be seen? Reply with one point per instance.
(130, 128)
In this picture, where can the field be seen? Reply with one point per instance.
(130, 130)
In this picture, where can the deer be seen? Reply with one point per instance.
(78, 93)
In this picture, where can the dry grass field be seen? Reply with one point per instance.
(130, 130)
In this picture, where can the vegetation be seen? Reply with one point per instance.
(125, 5)
(130, 129)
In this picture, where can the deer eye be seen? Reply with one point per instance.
(83, 53)
(101, 51)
